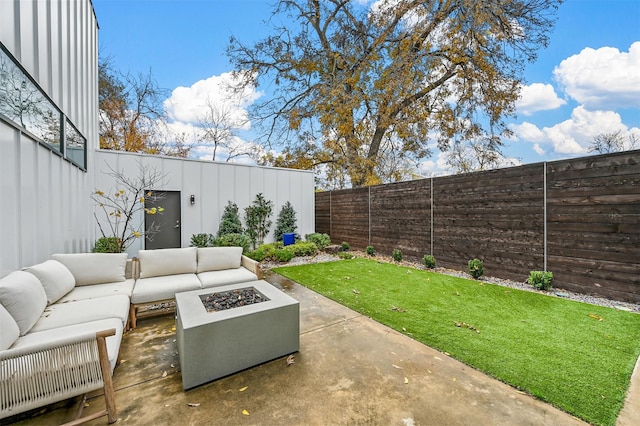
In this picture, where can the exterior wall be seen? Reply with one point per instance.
(214, 184)
(45, 207)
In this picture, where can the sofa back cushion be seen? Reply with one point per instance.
(9, 331)
(160, 262)
(24, 298)
(94, 268)
(219, 258)
(56, 279)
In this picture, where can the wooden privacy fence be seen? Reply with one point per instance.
(578, 218)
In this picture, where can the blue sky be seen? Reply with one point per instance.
(585, 83)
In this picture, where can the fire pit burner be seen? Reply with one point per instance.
(221, 301)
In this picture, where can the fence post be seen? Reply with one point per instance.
(369, 199)
(545, 215)
(431, 219)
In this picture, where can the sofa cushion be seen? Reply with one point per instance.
(94, 268)
(154, 289)
(56, 279)
(9, 331)
(39, 338)
(81, 311)
(160, 262)
(99, 290)
(224, 277)
(219, 258)
(24, 298)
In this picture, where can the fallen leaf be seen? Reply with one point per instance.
(243, 389)
(439, 359)
(406, 381)
(395, 366)
(245, 412)
(598, 317)
(347, 278)
(164, 374)
(447, 353)
(355, 291)
(454, 379)
(173, 366)
(192, 404)
(404, 329)
(395, 308)
(291, 359)
(429, 371)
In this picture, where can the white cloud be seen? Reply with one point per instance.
(188, 104)
(602, 78)
(572, 136)
(538, 97)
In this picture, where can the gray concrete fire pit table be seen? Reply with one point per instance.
(215, 344)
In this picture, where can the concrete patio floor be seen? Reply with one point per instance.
(350, 370)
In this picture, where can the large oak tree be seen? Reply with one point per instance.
(361, 90)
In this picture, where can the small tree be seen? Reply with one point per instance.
(121, 208)
(230, 221)
(257, 219)
(286, 222)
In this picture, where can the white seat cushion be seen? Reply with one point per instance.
(94, 268)
(54, 335)
(9, 331)
(99, 290)
(227, 276)
(81, 311)
(155, 289)
(24, 298)
(56, 279)
(219, 258)
(161, 262)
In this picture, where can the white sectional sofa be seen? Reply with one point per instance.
(62, 321)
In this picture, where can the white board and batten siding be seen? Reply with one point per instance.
(44, 206)
(214, 184)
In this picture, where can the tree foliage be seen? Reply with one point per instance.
(286, 221)
(357, 86)
(257, 218)
(132, 117)
(230, 221)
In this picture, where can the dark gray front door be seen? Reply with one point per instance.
(166, 222)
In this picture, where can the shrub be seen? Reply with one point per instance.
(257, 218)
(107, 245)
(302, 248)
(258, 254)
(320, 240)
(345, 246)
(345, 255)
(371, 251)
(476, 268)
(233, 240)
(202, 240)
(540, 280)
(230, 221)
(286, 222)
(283, 255)
(397, 255)
(429, 261)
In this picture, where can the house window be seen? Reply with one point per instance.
(24, 104)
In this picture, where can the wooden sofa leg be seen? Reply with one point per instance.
(132, 316)
(109, 392)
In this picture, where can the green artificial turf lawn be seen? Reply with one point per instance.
(576, 356)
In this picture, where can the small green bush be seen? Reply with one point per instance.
(397, 255)
(345, 246)
(258, 254)
(429, 261)
(321, 241)
(283, 255)
(371, 251)
(233, 240)
(230, 221)
(202, 240)
(476, 268)
(345, 255)
(107, 245)
(303, 248)
(540, 280)
(286, 222)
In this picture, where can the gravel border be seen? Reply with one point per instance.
(565, 294)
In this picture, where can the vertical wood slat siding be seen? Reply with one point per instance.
(593, 221)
